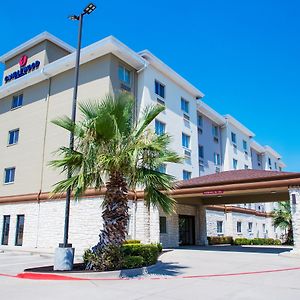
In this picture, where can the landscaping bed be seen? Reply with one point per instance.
(221, 240)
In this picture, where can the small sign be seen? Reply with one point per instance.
(213, 192)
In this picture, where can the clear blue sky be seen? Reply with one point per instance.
(244, 55)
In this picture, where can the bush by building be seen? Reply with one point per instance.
(218, 240)
(256, 241)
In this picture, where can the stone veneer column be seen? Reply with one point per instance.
(147, 234)
(200, 224)
(228, 226)
(295, 208)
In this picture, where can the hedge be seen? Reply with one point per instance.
(256, 241)
(218, 240)
(132, 242)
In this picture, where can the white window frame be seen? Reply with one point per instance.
(4, 177)
(123, 69)
(160, 84)
(9, 132)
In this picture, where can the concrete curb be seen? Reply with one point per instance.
(126, 273)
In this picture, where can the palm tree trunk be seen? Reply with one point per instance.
(115, 213)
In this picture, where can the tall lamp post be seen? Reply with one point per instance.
(64, 254)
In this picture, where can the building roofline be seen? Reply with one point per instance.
(210, 113)
(34, 41)
(105, 46)
(257, 147)
(272, 152)
(169, 72)
(239, 126)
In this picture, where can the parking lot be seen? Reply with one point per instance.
(185, 273)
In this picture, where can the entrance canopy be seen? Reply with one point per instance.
(238, 186)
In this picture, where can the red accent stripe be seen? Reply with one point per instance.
(43, 276)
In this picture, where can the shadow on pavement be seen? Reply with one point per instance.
(242, 249)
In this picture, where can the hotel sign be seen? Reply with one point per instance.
(213, 192)
(24, 69)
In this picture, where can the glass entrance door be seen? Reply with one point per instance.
(186, 230)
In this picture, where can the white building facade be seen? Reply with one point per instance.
(37, 88)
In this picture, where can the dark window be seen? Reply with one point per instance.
(219, 226)
(5, 230)
(186, 175)
(239, 227)
(201, 151)
(13, 137)
(19, 230)
(17, 101)
(9, 175)
(159, 89)
(184, 106)
(233, 138)
(162, 224)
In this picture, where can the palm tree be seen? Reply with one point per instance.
(115, 151)
(282, 218)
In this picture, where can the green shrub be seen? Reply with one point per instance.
(148, 252)
(108, 259)
(132, 242)
(218, 240)
(242, 241)
(256, 241)
(160, 248)
(131, 262)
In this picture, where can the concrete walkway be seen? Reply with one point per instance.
(193, 261)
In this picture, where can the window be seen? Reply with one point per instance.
(186, 140)
(186, 175)
(275, 165)
(5, 230)
(269, 161)
(280, 169)
(234, 164)
(13, 137)
(239, 227)
(159, 89)
(264, 228)
(245, 145)
(233, 138)
(246, 167)
(220, 227)
(217, 159)
(258, 157)
(215, 131)
(184, 106)
(162, 168)
(160, 127)
(250, 227)
(19, 230)
(162, 225)
(200, 120)
(201, 151)
(9, 175)
(124, 75)
(17, 101)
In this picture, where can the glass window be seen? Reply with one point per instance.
(19, 230)
(217, 159)
(9, 175)
(186, 140)
(200, 121)
(246, 167)
(250, 226)
(270, 162)
(17, 101)
(280, 169)
(275, 165)
(13, 136)
(219, 226)
(186, 175)
(245, 145)
(5, 230)
(233, 138)
(124, 74)
(162, 168)
(238, 227)
(160, 127)
(184, 106)
(162, 224)
(234, 164)
(159, 89)
(201, 151)
(264, 227)
(215, 130)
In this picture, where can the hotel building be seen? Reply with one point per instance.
(37, 88)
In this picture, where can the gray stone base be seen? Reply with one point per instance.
(63, 259)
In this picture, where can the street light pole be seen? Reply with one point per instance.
(64, 255)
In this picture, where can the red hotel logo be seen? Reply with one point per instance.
(23, 61)
(213, 192)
